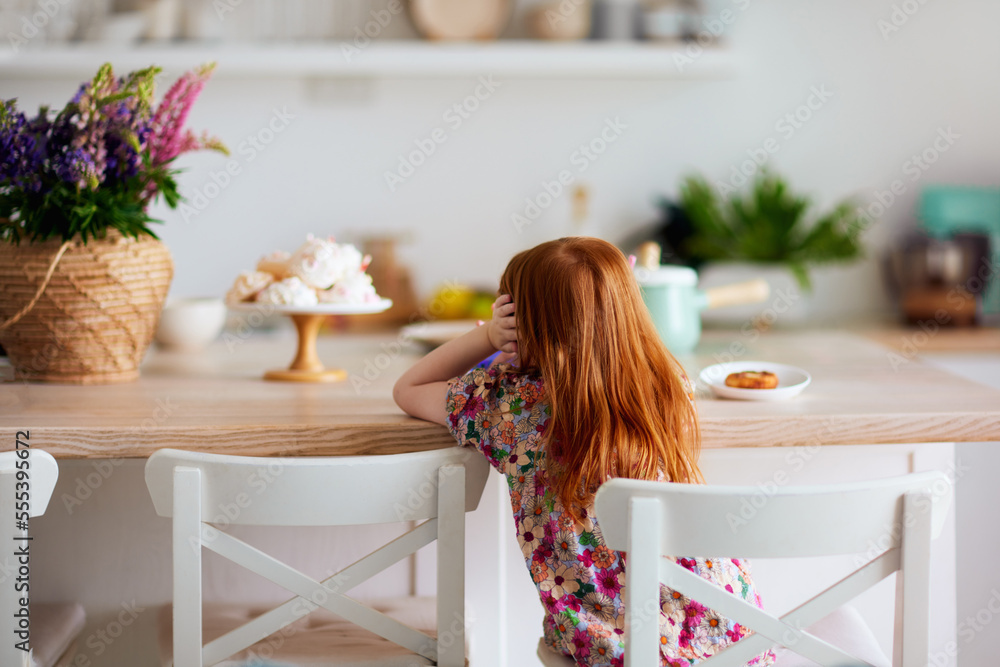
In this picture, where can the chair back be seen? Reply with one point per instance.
(652, 519)
(42, 472)
(197, 489)
(27, 480)
(315, 491)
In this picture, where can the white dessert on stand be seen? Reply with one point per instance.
(288, 292)
(320, 279)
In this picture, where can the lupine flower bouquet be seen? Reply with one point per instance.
(98, 163)
(83, 295)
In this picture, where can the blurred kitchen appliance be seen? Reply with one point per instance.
(617, 20)
(947, 211)
(934, 279)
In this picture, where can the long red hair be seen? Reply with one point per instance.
(619, 407)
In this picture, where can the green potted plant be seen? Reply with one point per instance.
(82, 273)
(767, 232)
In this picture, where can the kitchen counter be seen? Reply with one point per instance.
(913, 341)
(216, 401)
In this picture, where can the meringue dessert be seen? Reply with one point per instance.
(354, 288)
(320, 271)
(288, 292)
(276, 264)
(320, 263)
(248, 285)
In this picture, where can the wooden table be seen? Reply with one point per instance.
(862, 394)
(216, 401)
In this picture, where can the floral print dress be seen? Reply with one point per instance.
(579, 579)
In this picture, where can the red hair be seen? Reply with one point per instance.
(619, 407)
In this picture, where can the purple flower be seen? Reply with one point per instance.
(20, 153)
(74, 166)
(91, 165)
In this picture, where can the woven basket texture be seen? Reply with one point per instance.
(95, 318)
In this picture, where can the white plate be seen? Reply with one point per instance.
(319, 309)
(433, 334)
(791, 380)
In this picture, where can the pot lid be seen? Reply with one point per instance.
(667, 275)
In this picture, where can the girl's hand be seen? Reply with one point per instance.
(502, 329)
(422, 390)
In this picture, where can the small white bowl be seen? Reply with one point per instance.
(792, 380)
(190, 325)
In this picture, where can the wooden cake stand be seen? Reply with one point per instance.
(306, 367)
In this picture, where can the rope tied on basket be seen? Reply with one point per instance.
(38, 294)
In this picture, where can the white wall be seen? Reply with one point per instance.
(325, 172)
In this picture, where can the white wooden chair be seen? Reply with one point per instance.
(436, 487)
(651, 519)
(54, 627)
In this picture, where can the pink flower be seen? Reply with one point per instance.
(549, 602)
(550, 530)
(607, 581)
(582, 572)
(168, 138)
(473, 405)
(693, 613)
(581, 640)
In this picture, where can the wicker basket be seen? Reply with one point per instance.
(95, 317)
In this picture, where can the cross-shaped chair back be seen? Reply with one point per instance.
(651, 519)
(196, 489)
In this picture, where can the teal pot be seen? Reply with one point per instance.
(675, 303)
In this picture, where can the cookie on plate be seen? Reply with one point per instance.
(752, 380)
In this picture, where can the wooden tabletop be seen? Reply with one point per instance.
(216, 401)
(912, 341)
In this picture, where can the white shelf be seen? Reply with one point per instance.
(529, 59)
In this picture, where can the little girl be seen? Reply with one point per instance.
(583, 391)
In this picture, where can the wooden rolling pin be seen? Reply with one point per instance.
(751, 291)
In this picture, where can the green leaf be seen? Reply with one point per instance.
(767, 223)
(801, 275)
(587, 539)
